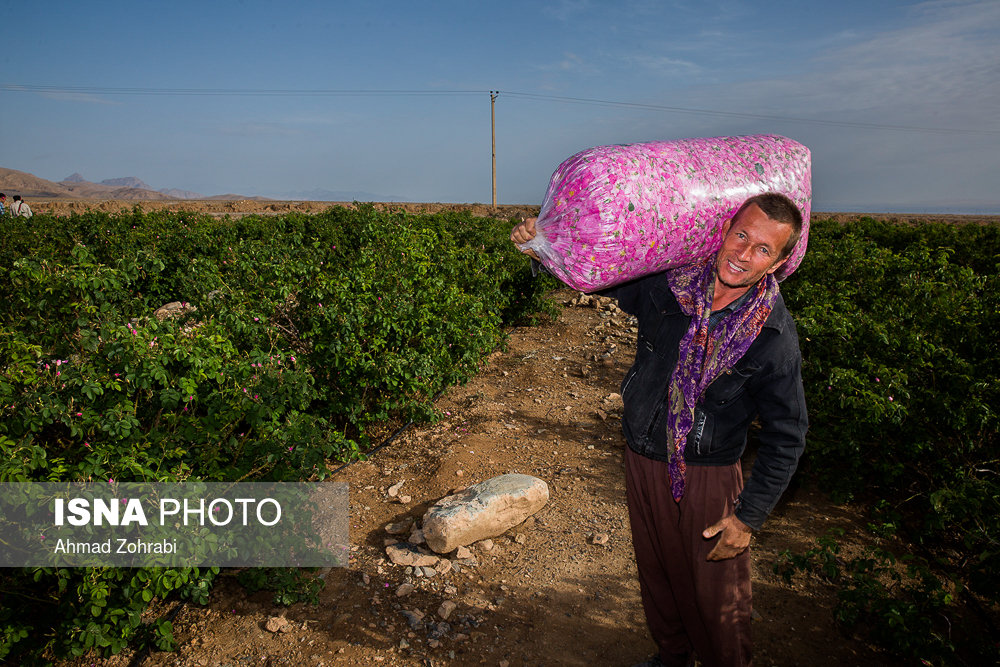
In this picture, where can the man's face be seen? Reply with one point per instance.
(751, 248)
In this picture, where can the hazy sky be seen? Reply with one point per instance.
(898, 101)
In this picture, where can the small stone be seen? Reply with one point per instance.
(365, 578)
(446, 609)
(433, 643)
(404, 499)
(486, 544)
(404, 644)
(462, 553)
(276, 624)
(407, 554)
(520, 538)
(459, 473)
(443, 566)
(599, 538)
(414, 617)
(404, 590)
(430, 571)
(174, 309)
(416, 537)
(394, 489)
(400, 528)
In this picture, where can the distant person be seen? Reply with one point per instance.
(20, 208)
(3, 203)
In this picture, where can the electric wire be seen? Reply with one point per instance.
(561, 99)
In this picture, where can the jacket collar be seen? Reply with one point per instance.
(666, 303)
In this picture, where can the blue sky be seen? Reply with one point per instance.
(96, 88)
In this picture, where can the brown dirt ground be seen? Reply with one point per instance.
(546, 593)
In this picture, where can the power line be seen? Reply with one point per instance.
(335, 92)
(265, 92)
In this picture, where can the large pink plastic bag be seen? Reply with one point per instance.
(616, 213)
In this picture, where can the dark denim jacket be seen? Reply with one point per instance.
(766, 383)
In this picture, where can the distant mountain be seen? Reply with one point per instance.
(174, 193)
(126, 182)
(322, 194)
(75, 186)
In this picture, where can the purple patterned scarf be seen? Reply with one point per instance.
(704, 356)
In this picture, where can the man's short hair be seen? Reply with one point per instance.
(779, 208)
(17, 197)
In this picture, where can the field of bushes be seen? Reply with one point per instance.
(299, 340)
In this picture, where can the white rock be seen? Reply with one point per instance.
(405, 554)
(483, 510)
(174, 309)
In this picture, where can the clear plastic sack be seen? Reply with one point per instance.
(616, 213)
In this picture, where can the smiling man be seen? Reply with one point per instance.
(716, 349)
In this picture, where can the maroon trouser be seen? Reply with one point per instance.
(691, 604)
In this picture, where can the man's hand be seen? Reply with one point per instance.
(523, 233)
(734, 538)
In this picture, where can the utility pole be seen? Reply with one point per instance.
(493, 135)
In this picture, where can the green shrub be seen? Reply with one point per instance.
(898, 331)
(307, 332)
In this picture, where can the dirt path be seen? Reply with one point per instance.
(558, 590)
